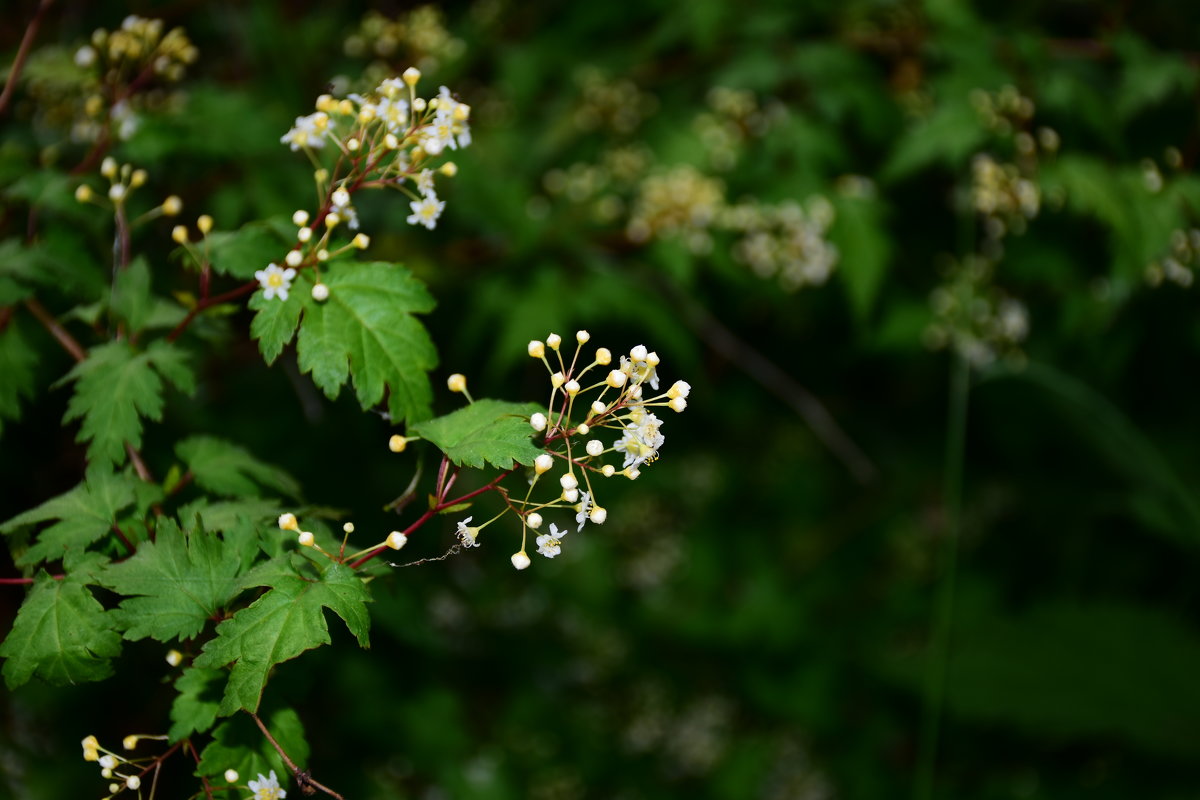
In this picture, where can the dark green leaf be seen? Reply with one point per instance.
(491, 431)
(195, 707)
(222, 467)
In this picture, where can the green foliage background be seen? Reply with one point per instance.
(752, 621)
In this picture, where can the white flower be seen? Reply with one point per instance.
(641, 440)
(394, 114)
(425, 182)
(549, 544)
(467, 536)
(85, 56)
(274, 281)
(585, 505)
(267, 788)
(679, 389)
(426, 211)
(308, 131)
(640, 369)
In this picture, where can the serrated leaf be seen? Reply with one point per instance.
(195, 707)
(492, 431)
(17, 358)
(243, 252)
(222, 467)
(132, 301)
(275, 320)
(239, 744)
(180, 581)
(281, 625)
(85, 513)
(227, 514)
(366, 329)
(116, 387)
(62, 635)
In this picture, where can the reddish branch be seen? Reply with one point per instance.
(57, 331)
(208, 302)
(306, 782)
(22, 53)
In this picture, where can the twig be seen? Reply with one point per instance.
(782, 385)
(22, 53)
(303, 778)
(139, 466)
(25, 581)
(57, 331)
(207, 302)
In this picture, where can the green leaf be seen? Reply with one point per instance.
(181, 581)
(275, 322)
(85, 513)
(222, 467)
(17, 358)
(367, 329)
(492, 431)
(225, 515)
(281, 625)
(951, 134)
(116, 387)
(195, 707)
(62, 635)
(132, 300)
(243, 252)
(239, 744)
(861, 238)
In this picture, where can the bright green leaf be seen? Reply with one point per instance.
(243, 252)
(62, 635)
(181, 580)
(275, 322)
(239, 744)
(281, 625)
(132, 300)
(367, 329)
(222, 467)
(491, 431)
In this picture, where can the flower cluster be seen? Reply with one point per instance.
(1179, 264)
(420, 35)
(785, 241)
(1002, 195)
(623, 397)
(122, 772)
(679, 202)
(733, 117)
(616, 105)
(975, 318)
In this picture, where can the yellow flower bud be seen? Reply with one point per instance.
(205, 224)
(172, 205)
(180, 234)
(397, 443)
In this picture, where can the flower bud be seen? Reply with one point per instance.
(130, 741)
(179, 234)
(287, 522)
(598, 407)
(83, 193)
(616, 379)
(397, 443)
(348, 528)
(570, 495)
(582, 336)
(520, 560)
(322, 254)
(583, 429)
(543, 463)
(320, 292)
(595, 447)
(300, 218)
(538, 422)
(677, 404)
(361, 241)
(172, 205)
(553, 341)
(304, 234)
(293, 258)
(107, 762)
(332, 219)
(608, 470)
(391, 142)
(449, 169)
(116, 192)
(353, 144)
(138, 178)
(396, 540)
(652, 358)
(133, 781)
(341, 197)
(231, 775)
(568, 481)
(556, 380)
(598, 515)
(603, 356)
(204, 223)
(306, 539)
(533, 520)
(457, 382)
(108, 167)
(679, 389)
(632, 473)
(174, 658)
(572, 387)
(638, 353)
(537, 349)
(411, 76)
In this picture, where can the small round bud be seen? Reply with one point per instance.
(231, 775)
(603, 356)
(321, 175)
(533, 520)
(396, 540)
(341, 197)
(174, 658)
(172, 205)
(597, 515)
(520, 560)
(677, 404)
(348, 528)
(332, 219)
(397, 443)
(568, 481)
(116, 192)
(304, 234)
(113, 788)
(570, 495)
(91, 754)
(583, 429)
(608, 470)
(205, 223)
(616, 379)
(449, 169)
(322, 254)
(571, 387)
(300, 218)
(391, 142)
(462, 112)
(108, 167)
(635, 391)
(411, 76)
(679, 389)
(320, 292)
(83, 193)
(130, 741)
(353, 144)
(556, 380)
(595, 447)
(582, 336)
(179, 234)
(457, 382)
(138, 178)
(632, 473)
(106, 773)
(598, 407)
(133, 781)
(543, 463)
(638, 353)
(293, 258)
(652, 358)
(537, 349)
(538, 422)
(90, 743)
(553, 341)
(361, 241)
(107, 762)
(306, 539)
(287, 522)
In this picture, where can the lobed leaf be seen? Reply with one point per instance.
(238, 744)
(492, 431)
(222, 467)
(195, 707)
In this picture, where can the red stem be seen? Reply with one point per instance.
(22, 53)
(207, 302)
